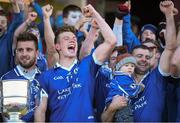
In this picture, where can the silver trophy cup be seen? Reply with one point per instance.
(14, 99)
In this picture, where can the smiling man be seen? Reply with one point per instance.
(26, 55)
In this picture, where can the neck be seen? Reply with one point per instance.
(138, 77)
(25, 70)
(66, 62)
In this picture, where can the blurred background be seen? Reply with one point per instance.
(142, 11)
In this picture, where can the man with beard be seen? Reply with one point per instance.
(6, 36)
(26, 55)
(149, 105)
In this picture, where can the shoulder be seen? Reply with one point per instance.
(9, 75)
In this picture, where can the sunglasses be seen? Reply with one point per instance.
(152, 48)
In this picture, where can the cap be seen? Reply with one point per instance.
(149, 27)
(124, 59)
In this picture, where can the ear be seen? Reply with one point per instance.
(37, 53)
(57, 46)
(158, 55)
(65, 20)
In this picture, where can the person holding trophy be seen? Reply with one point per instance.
(20, 88)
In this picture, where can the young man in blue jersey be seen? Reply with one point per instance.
(6, 37)
(68, 88)
(149, 105)
(26, 56)
(71, 16)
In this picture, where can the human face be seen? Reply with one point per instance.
(143, 60)
(73, 18)
(67, 45)
(112, 59)
(128, 68)
(3, 25)
(154, 54)
(26, 54)
(147, 34)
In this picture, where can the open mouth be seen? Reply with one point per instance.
(71, 48)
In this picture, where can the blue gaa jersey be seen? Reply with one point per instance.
(33, 90)
(149, 105)
(102, 86)
(124, 85)
(42, 62)
(172, 100)
(7, 61)
(71, 90)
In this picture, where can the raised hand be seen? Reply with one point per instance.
(81, 22)
(47, 10)
(88, 11)
(20, 4)
(94, 24)
(32, 16)
(167, 7)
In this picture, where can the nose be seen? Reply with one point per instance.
(143, 59)
(24, 52)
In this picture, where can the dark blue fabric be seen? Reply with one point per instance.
(6, 53)
(33, 92)
(101, 90)
(70, 93)
(149, 105)
(129, 38)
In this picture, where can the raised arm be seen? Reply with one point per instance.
(52, 54)
(175, 63)
(129, 38)
(167, 8)
(117, 29)
(31, 17)
(88, 43)
(15, 6)
(103, 51)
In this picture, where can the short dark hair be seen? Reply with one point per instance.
(121, 49)
(65, 28)
(155, 42)
(26, 36)
(69, 8)
(3, 13)
(140, 47)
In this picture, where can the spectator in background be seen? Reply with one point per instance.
(155, 52)
(6, 37)
(148, 31)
